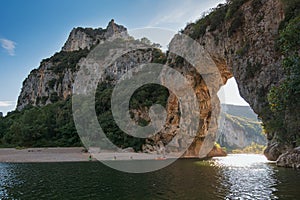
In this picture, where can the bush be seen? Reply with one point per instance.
(54, 97)
(252, 69)
(233, 7)
(256, 4)
(284, 98)
(291, 9)
(242, 51)
(236, 23)
(253, 148)
(67, 60)
(52, 83)
(51, 125)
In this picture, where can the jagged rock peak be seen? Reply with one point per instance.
(81, 38)
(114, 29)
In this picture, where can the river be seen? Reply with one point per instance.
(231, 177)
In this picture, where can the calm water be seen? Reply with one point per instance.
(232, 177)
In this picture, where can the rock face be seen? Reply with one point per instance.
(273, 151)
(242, 46)
(54, 79)
(81, 38)
(290, 159)
(216, 152)
(240, 128)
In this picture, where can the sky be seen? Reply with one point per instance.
(32, 30)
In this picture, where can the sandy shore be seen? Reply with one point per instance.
(75, 154)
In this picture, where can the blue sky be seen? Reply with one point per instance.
(32, 30)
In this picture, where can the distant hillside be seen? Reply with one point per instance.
(239, 111)
(240, 128)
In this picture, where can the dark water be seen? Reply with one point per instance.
(233, 177)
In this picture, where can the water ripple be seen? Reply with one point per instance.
(232, 177)
(247, 177)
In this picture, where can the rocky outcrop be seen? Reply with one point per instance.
(273, 151)
(240, 128)
(241, 43)
(290, 159)
(82, 38)
(44, 86)
(216, 152)
(242, 46)
(54, 79)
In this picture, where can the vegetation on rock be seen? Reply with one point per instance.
(253, 148)
(284, 98)
(53, 125)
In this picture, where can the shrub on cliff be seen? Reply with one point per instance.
(284, 98)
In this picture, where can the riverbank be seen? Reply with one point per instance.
(70, 154)
(43, 155)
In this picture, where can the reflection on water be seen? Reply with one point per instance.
(232, 177)
(7, 179)
(247, 177)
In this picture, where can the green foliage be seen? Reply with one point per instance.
(240, 111)
(242, 51)
(290, 37)
(217, 17)
(142, 122)
(51, 125)
(234, 6)
(54, 97)
(91, 32)
(256, 4)
(148, 95)
(284, 98)
(44, 99)
(252, 69)
(199, 28)
(253, 148)
(291, 10)
(217, 145)
(251, 126)
(214, 20)
(236, 23)
(159, 56)
(67, 60)
(51, 83)
(142, 98)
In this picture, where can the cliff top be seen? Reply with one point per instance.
(81, 38)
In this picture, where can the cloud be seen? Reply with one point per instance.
(8, 45)
(6, 103)
(178, 14)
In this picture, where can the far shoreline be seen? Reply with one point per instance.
(72, 154)
(77, 154)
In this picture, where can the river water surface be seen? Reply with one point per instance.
(231, 177)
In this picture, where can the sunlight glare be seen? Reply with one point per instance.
(240, 160)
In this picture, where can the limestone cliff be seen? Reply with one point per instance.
(243, 44)
(82, 38)
(54, 78)
(240, 37)
(240, 128)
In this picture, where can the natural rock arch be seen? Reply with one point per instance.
(248, 54)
